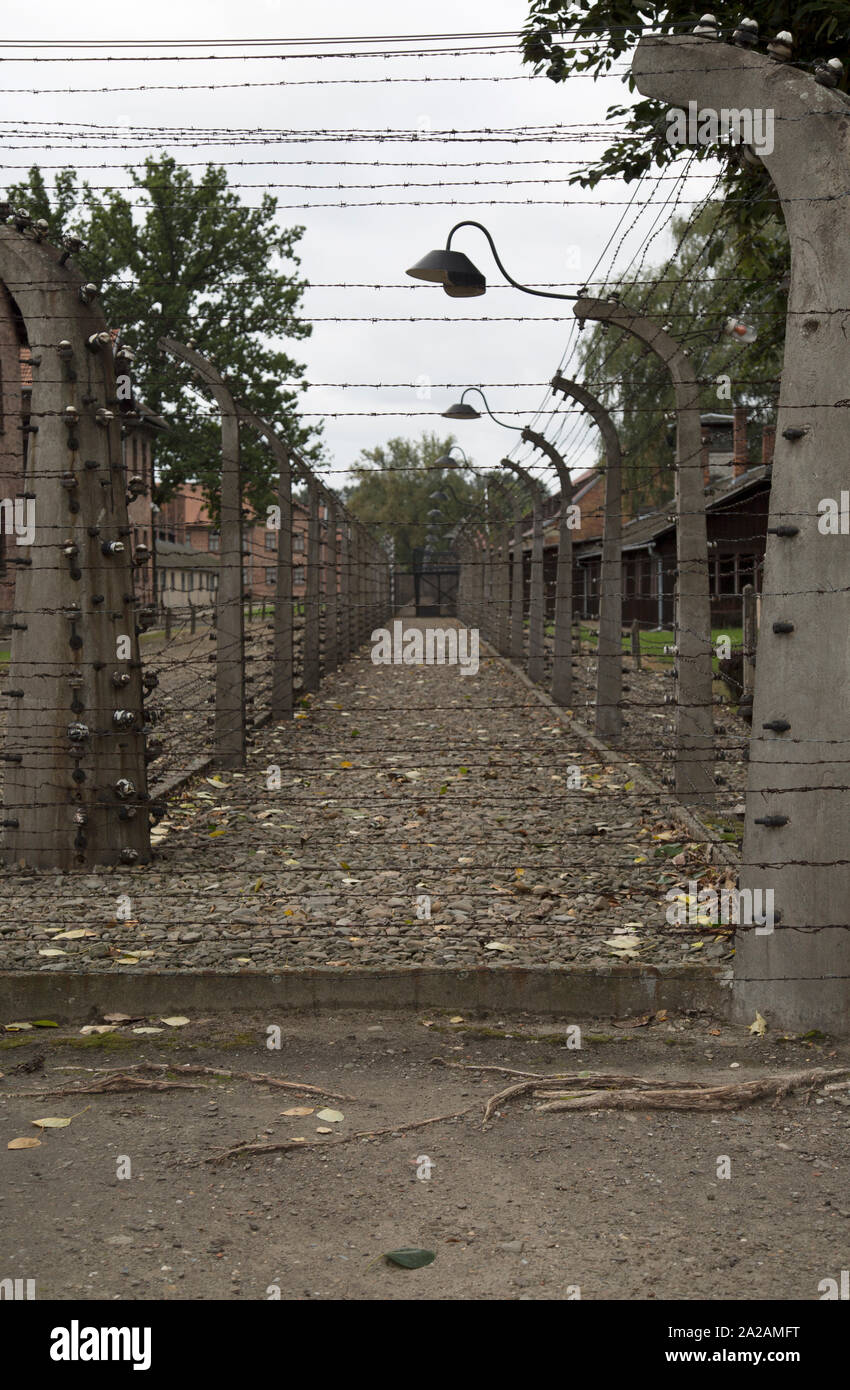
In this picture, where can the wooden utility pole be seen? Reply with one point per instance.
(76, 746)
(230, 707)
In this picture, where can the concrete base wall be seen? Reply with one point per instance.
(571, 993)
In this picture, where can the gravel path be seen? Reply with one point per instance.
(397, 785)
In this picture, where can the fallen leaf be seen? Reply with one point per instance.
(58, 1122)
(48, 951)
(410, 1257)
(118, 1018)
(457, 1019)
(758, 1025)
(148, 1030)
(18, 1027)
(96, 1028)
(23, 1143)
(176, 1021)
(44, 1023)
(333, 1115)
(299, 1110)
(499, 946)
(73, 935)
(323, 1129)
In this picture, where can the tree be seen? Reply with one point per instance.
(394, 487)
(696, 292)
(187, 259)
(565, 37)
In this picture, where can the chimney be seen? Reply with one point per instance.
(740, 458)
(706, 472)
(768, 441)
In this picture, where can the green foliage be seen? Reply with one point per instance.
(714, 274)
(564, 37)
(393, 493)
(185, 259)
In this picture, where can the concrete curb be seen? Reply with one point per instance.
(570, 993)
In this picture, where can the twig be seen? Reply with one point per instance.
(510, 1091)
(667, 1096)
(260, 1078)
(284, 1145)
(118, 1081)
(471, 1066)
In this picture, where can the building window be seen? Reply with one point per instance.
(271, 540)
(298, 574)
(746, 571)
(271, 577)
(215, 540)
(172, 579)
(726, 575)
(298, 541)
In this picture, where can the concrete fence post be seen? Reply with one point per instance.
(230, 707)
(635, 643)
(77, 742)
(281, 697)
(562, 659)
(536, 604)
(609, 662)
(798, 797)
(310, 649)
(331, 590)
(694, 777)
(749, 638)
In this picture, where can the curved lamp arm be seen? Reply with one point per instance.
(542, 294)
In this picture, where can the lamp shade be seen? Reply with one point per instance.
(461, 411)
(451, 269)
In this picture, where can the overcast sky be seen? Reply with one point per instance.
(539, 240)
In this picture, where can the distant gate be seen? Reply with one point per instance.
(427, 591)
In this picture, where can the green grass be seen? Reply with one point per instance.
(652, 643)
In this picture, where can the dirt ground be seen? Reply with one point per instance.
(616, 1205)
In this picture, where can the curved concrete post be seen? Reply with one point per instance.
(310, 648)
(331, 587)
(501, 573)
(230, 704)
(345, 586)
(536, 610)
(694, 721)
(11, 446)
(562, 662)
(281, 699)
(503, 640)
(517, 648)
(609, 668)
(75, 660)
(798, 802)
